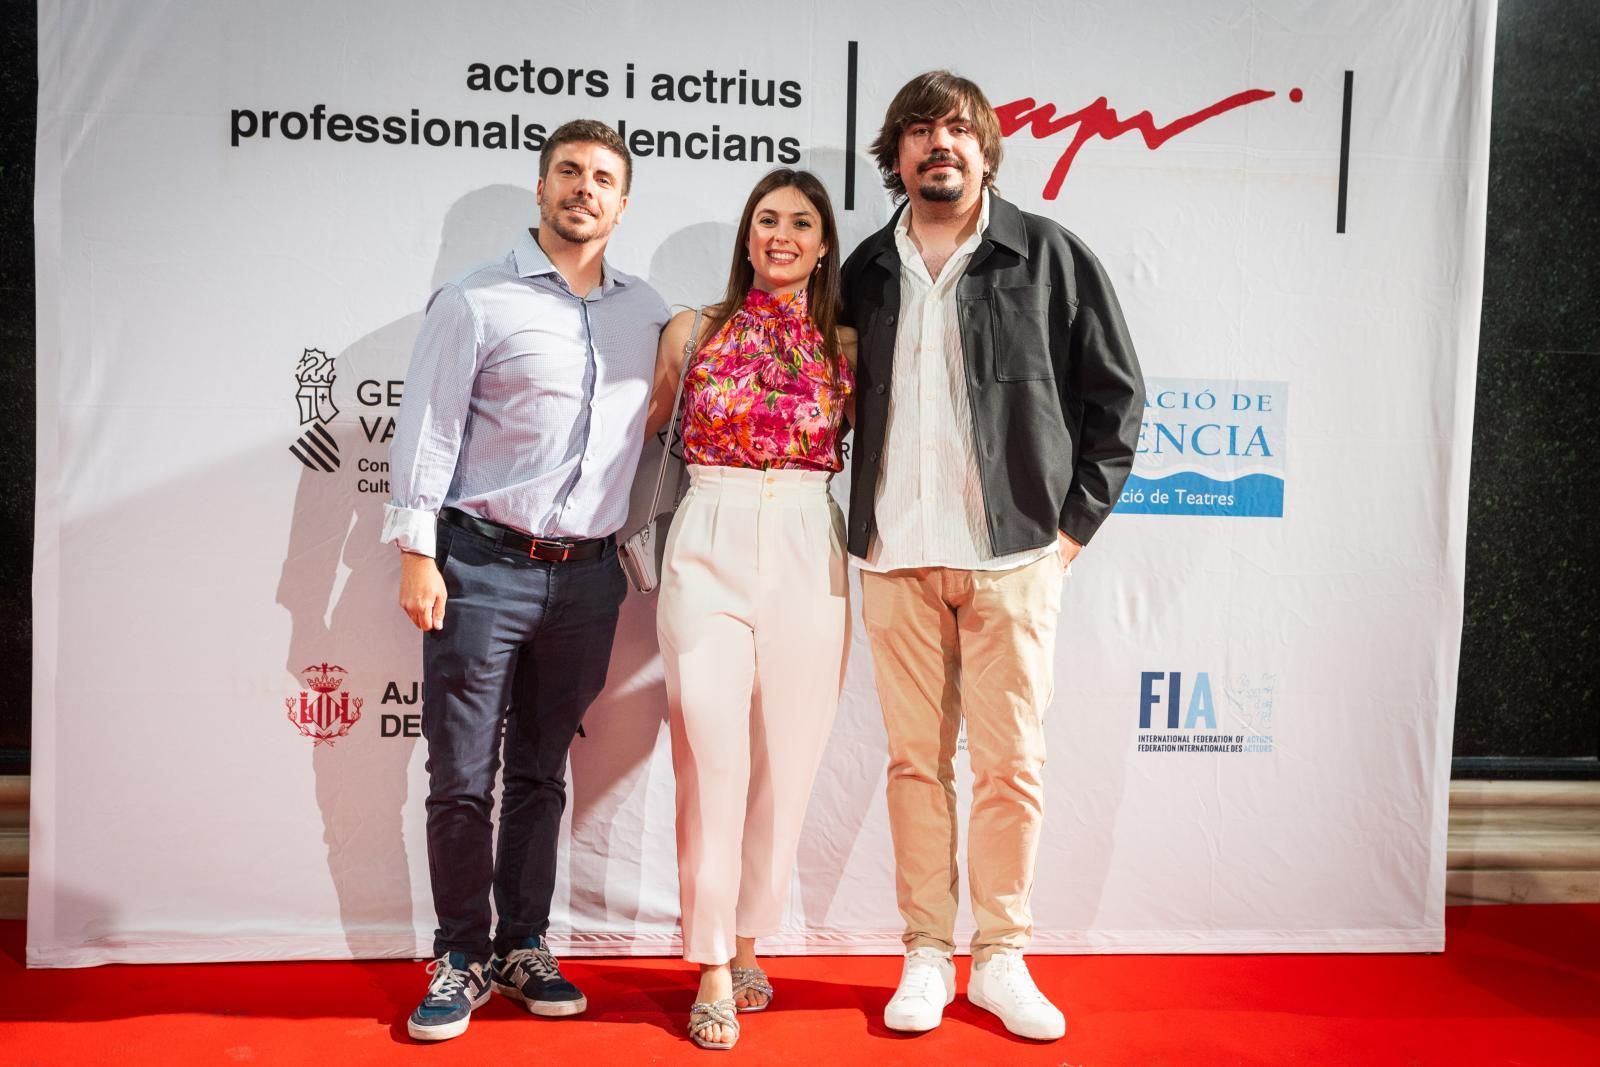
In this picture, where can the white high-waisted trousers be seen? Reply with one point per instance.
(754, 623)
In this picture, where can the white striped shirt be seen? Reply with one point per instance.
(525, 403)
(929, 502)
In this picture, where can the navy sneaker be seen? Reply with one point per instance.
(456, 988)
(528, 973)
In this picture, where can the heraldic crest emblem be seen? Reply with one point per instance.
(323, 711)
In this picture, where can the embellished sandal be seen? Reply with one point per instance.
(706, 1014)
(751, 980)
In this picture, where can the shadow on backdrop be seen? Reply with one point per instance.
(609, 887)
(850, 780)
(340, 587)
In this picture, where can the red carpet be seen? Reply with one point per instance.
(1517, 985)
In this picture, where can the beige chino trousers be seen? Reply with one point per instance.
(754, 624)
(981, 644)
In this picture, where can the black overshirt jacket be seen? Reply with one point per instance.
(1054, 384)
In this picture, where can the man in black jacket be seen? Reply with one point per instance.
(998, 407)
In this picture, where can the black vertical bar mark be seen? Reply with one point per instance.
(1344, 146)
(850, 131)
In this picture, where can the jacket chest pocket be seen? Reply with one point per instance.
(1019, 325)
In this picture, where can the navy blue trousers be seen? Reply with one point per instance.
(522, 655)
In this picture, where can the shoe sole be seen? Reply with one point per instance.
(445, 1031)
(549, 1009)
(909, 1029)
(977, 1001)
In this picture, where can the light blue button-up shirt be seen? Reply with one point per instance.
(525, 403)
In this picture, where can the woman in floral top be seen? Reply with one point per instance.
(754, 617)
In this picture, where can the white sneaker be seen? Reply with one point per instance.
(1004, 986)
(927, 984)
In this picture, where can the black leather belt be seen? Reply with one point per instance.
(548, 549)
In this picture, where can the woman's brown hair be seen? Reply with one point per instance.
(822, 289)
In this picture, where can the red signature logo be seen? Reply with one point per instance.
(1101, 120)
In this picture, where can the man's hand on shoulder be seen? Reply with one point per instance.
(422, 593)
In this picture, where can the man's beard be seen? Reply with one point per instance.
(557, 221)
(942, 194)
(939, 192)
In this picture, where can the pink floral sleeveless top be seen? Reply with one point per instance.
(763, 393)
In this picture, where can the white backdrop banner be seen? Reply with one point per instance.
(242, 207)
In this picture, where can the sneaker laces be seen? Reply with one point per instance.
(1013, 972)
(537, 960)
(922, 970)
(447, 981)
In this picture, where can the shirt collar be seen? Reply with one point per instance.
(531, 262)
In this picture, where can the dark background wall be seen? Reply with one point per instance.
(1528, 700)
(1530, 649)
(19, 86)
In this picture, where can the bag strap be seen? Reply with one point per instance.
(672, 422)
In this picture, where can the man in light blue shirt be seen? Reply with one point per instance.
(513, 455)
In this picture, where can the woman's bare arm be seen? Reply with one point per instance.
(669, 365)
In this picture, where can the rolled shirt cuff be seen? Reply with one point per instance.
(409, 529)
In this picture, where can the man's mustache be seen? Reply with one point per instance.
(941, 159)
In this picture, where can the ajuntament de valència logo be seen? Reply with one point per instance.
(323, 710)
(1210, 446)
(316, 447)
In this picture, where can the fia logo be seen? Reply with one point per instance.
(316, 448)
(1200, 712)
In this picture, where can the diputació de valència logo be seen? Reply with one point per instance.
(1210, 446)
